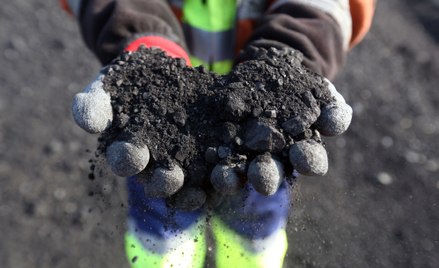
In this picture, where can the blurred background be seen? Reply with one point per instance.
(377, 207)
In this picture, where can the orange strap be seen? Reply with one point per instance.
(362, 14)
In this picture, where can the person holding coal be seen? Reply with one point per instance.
(248, 200)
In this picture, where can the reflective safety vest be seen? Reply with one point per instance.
(216, 30)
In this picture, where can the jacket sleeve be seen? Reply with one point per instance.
(109, 26)
(308, 29)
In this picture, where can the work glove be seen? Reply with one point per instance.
(92, 110)
(308, 156)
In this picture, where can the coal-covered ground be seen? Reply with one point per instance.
(377, 206)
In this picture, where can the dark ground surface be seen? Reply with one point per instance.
(377, 207)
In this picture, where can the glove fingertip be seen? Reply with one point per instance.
(92, 109)
(163, 182)
(334, 119)
(126, 159)
(309, 158)
(265, 174)
(225, 180)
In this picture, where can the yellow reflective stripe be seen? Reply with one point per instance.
(220, 67)
(231, 253)
(138, 256)
(213, 15)
(191, 254)
(197, 62)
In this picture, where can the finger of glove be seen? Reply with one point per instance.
(162, 182)
(126, 159)
(335, 117)
(265, 174)
(91, 108)
(225, 180)
(309, 158)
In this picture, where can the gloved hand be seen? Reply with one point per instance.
(307, 156)
(92, 111)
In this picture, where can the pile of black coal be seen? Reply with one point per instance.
(198, 119)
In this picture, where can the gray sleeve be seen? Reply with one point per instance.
(108, 26)
(303, 27)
